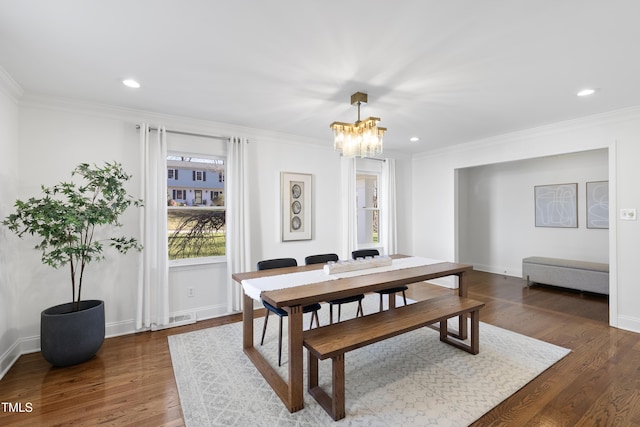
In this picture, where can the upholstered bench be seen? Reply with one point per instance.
(566, 273)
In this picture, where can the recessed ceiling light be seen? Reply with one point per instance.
(414, 139)
(131, 83)
(587, 92)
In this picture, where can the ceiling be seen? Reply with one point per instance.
(447, 72)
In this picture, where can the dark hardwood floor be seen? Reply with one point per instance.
(131, 382)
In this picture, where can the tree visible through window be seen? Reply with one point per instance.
(195, 207)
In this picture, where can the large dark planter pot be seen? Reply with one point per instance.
(70, 337)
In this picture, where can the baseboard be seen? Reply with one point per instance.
(498, 270)
(116, 329)
(212, 311)
(177, 319)
(629, 323)
(29, 344)
(8, 359)
(187, 317)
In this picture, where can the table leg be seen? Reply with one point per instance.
(296, 350)
(290, 392)
(462, 291)
(247, 321)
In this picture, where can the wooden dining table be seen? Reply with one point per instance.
(292, 299)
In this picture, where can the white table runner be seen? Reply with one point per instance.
(254, 287)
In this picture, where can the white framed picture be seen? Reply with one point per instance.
(556, 205)
(598, 204)
(296, 206)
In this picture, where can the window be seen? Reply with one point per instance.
(179, 196)
(368, 208)
(216, 197)
(195, 211)
(199, 175)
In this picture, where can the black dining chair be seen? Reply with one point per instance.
(322, 259)
(364, 253)
(313, 308)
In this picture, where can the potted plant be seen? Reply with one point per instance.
(67, 219)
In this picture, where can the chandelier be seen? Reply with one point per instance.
(362, 138)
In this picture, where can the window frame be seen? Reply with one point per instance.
(215, 259)
(369, 167)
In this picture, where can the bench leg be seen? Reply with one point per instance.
(475, 332)
(474, 340)
(443, 330)
(334, 404)
(312, 371)
(338, 387)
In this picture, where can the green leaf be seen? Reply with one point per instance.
(68, 214)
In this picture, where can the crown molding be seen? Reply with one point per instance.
(180, 123)
(581, 123)
(9, 86)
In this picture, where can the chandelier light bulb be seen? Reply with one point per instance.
(362, 138)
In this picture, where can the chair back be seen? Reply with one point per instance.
(320, 259)
(363, 253)
(268, 264)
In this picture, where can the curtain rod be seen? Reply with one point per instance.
(375, 158)
(177, 132)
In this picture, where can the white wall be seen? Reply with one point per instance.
(55, 135)
(434, 212)
(268, 158)
(9, 286)
(404, 204)
(496, 212)
(52, 142)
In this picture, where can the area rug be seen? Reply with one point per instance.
(410, 380)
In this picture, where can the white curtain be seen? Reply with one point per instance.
(237, 217)
(349, 209)
(152, 308)
(388, 218)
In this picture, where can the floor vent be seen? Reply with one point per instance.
(177, 320)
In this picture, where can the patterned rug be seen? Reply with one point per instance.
(409, 380)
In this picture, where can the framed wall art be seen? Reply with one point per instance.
(598, 204)
(556, 205)
(296, 206)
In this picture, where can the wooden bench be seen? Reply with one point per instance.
(333, 341)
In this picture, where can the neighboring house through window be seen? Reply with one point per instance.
(195, 207)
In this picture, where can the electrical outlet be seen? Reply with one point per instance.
(191, 292)
(628, 214)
